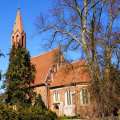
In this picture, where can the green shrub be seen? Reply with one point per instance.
(7, 113)
(28, 113)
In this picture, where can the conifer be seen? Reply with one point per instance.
(19, 76)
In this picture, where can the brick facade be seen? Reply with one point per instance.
(76, 107)
(65, 90)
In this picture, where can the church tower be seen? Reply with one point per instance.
(18, 34)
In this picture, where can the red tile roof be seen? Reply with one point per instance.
(67, 74)
(42, 64)
(74, 73)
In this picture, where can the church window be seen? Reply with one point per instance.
(68, 97)
(17, 38)
(84, 96)
(13, 37)
(56, 97)
(22, 41)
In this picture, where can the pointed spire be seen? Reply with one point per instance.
(18, 23)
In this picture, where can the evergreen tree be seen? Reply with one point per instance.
(19, 93)
(19, 76)
(39, 103)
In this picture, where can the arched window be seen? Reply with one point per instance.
(13, 37)
(17, 38)
(22, 44)
(84, 96)
(68, 97)
(56, 97)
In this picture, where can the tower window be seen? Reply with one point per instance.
(13, 37)
(17, 38)
(22, 41)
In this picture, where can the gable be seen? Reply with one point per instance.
(42, 64)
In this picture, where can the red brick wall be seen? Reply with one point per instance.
(82, 110)
(42, 91)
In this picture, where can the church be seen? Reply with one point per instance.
(63, 86)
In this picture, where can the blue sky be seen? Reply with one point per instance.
(30, 9)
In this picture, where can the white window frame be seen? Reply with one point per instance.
(56, 97)
(84, 96)
(68, 98)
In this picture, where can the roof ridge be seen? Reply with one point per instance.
(44, 53)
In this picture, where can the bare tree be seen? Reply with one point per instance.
(92, 26)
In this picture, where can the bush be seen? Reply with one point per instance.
(7, 113)
(28, 113)
(36, 113)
